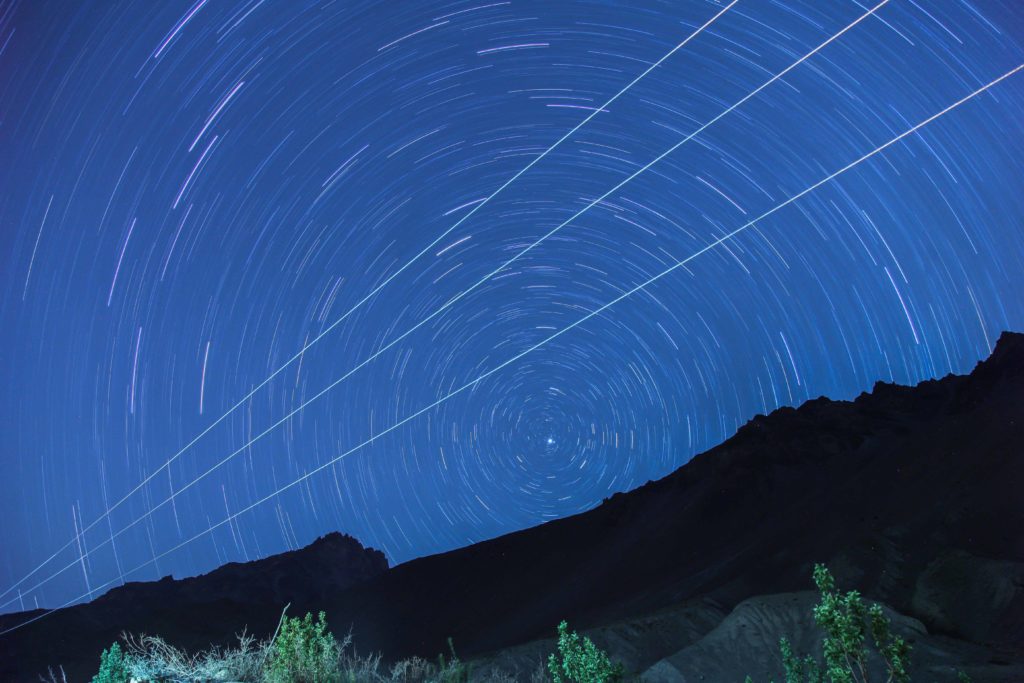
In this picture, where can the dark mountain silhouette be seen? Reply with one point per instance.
(332, 562)
(193, 611)
(913, 495)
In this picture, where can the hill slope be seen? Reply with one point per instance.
(911, 494)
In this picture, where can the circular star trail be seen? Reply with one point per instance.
(194, 193)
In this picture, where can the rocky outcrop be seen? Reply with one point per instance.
(330, 563)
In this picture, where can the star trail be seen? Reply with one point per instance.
(430, 272)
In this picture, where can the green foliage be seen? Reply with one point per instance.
(581, 661)
(842, 618)
(113, 666)
(453, 670)
(895, 650)
(304, 652)
(300, 651)
(799, 670)
(847, 623)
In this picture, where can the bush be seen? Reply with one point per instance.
(581, 660)
(847, 623)
(453, 670)
(150, 658)
(300, 651)
(113, 667)
(304, 652)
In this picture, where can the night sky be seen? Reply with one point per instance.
(243, 242)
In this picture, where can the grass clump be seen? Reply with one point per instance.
(580, 661)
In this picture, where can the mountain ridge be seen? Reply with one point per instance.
(909, 493)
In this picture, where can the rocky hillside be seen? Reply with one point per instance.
(193, 612)
(911, 494)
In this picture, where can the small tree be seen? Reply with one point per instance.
(847, 623)
(581, 661)
(304, 652)
(113, 666)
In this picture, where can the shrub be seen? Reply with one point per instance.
(453, 670)
(300, 651)
(153, 659)
(799, 670)
(847, 623)
(409, 670)
(304, 652)
(113, 667)
(581, 661)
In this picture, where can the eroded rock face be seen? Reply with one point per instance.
(746, 643)
(959, 594)
(636, 643)
(697, 641)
